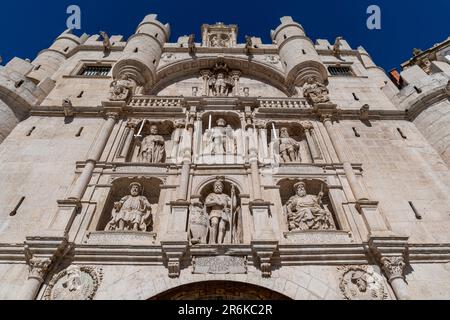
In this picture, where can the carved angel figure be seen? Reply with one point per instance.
(133, 212)
(305, 212)
(315, 92)
(220, 139)
(122, 89)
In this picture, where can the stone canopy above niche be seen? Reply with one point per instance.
(219, 35)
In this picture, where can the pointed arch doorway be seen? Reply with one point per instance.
(220, 290)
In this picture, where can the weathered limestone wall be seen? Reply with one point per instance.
(12, 279)
(39, 167)
(8, 120)
(398, 170)
(429, 281)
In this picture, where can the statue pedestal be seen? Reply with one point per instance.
(63, 218)
(178, 221)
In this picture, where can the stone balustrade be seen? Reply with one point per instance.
(156, 102)
(280, 103)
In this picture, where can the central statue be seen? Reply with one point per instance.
(220, 208)
(305, 211)
(220, 139)
(152, 147)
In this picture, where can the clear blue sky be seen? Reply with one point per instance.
(27, 26)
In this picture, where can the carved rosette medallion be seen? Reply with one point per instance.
(361, 283)
(74, 283)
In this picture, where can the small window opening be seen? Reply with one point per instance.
(136, 50)
(418, 90)
(66, 49)
(19, 84)
(79, 132)
(154, 61)
(156, 35)
(285, 36)
(14, 212)
(80, 95)
(355, 96)
(356, 132)
(303, 51)
(30, 131)
(37, 67)
(401, 133)
(416, 213)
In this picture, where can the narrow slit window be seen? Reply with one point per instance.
(356, 132)
(401, 133)
(80, 131)
(37, 67)
(136, 50)
(414, 209)
(66, 49)
(156, 36)
(30, 131)
(285, 36)
(19, 84)
(303, 51)
(80, 95)
(418, 90)
(154, 61)
(355, 96)
(14, 212)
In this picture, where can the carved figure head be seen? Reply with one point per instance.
(221, 122)
(218, 187)
(284, 133)
(154, 129)
(300, 189)
(73, 281)
(135, 189)
(360, 280)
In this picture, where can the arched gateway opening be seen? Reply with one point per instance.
(220, 290)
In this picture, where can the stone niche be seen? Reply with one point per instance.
(308, 213)
(288, 143)
(130, 213)
(154, 144)
(222, 140)
(225, 206)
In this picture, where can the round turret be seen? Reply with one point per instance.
(50, 60)
(143, 52)
(297, 53)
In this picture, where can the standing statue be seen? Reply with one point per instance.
(305, 212)
(133, 212)
(220, 208)
(315, 92)
(289, 147)
(152, 148)
(220, 139)
(122, 89)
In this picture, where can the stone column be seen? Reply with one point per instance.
(358, 191)
(130, 132)
(393, 267)
(94, 156)
(206, 74)
(187, 161)
(38, 271)
(315, 154)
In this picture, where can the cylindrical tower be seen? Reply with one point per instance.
(374, 71)
(297, 53)
(50, 60)
(143, 52)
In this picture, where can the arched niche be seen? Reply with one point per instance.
(120, 187)
(234, 227)
(165, 129)
(280, 151)
(251, 71)
(313, 187)
(232, 119)
(220, 290)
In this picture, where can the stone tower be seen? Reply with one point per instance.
(210, 168)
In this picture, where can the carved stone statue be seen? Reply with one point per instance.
(315, 92)
(220, 85)
(305, 212)
(132, 213)
(219, 206)
(152, 148)
(122, 89)
(289, 147)
(220, 139)
(68, 107)
(198, 223)
(220, 41)
(106, 41)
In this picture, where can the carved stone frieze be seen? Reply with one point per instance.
(74, 283)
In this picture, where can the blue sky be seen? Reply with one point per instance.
(27, 26)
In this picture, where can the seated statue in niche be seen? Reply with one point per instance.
(222, 215)
(153, 149)
(122, 89)
(315, 92)
(220, 139)
(132, 213)
(289, 147)
(306, 212)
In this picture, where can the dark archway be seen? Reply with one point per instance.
(220, 290)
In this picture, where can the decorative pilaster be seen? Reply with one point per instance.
(130, 132)
(308, 127)
(235, 76)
